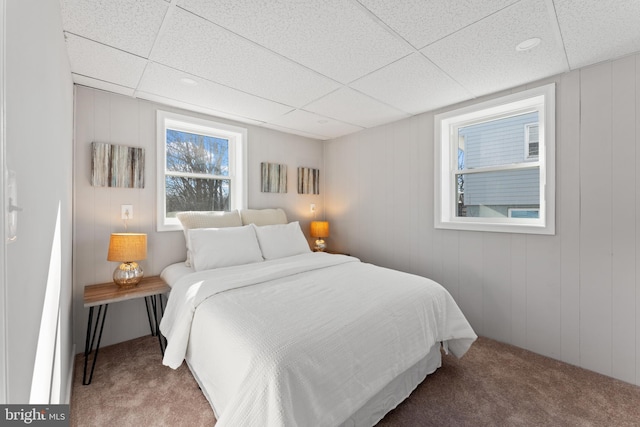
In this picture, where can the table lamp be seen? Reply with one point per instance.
(320, 230)
(127, 248)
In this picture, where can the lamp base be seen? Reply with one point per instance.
(128, 275)
(320, 246)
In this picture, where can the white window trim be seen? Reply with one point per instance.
(446, 158)
(237, 137)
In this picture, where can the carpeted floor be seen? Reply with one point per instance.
(494, 384)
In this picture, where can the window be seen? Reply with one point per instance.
(201, 167)
(524, 213)
(485, 180)
(531, 141)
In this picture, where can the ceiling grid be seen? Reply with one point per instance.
(331, 68)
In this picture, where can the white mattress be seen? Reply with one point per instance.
(315, 339)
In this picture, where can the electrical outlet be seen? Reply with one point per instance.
(126, 211)
(312, 207)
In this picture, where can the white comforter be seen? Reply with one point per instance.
(305, 340)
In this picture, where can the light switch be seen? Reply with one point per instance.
(127, 211)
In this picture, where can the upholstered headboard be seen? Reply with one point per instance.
(196, 219)
(213, 219)
(263, 216)
(235, 218)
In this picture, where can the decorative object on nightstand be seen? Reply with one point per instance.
(320, 230)
(127, 248)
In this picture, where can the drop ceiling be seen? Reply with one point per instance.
(327, 68)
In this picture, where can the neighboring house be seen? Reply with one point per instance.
(498, 145)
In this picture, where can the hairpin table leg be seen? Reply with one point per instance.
(146, 303)
(155, 307)
(91, 336)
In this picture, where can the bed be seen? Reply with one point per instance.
(277, 335)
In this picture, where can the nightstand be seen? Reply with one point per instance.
(101, 295)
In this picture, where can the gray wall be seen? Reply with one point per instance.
(117, 119)
(573, 296)
(39, 131)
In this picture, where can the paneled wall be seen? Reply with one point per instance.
(107, 117)
(573, 296)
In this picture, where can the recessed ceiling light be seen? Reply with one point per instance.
(188, 81)
(323, 121)
(528, 44)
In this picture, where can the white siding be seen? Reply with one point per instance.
(498, 142)
(503, 188)
(573, 296)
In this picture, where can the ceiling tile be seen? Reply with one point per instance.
(101, 62)
(209, 51)
(482, 57)
(353, 107)
(595, 30)
(293, 131)
(191, 107)
(323, 127)
(129, 25)
(165, 81)
(337, 38)
(422, 22)
(412, 84)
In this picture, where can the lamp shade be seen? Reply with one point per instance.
(127, 247)
(319, 229)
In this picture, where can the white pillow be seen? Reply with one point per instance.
(223, 247)
(206, 219)
(282, 240)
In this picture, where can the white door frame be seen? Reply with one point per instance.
(3, 208)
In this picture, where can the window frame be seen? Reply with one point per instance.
(541, 99)
(237, 137)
